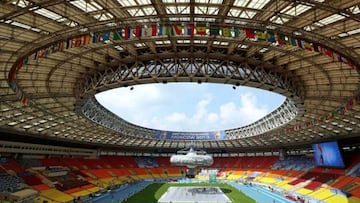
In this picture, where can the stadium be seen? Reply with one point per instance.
(59, 144)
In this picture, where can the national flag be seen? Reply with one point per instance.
(308, 46)
(261, 36)
(226, 32)
(105, 36)
(13, 86)
(214, 30)
(62, 46)
(201, 29)
(250, 33)
(327, 52)
(19, 66)
(281, 39)
(12, 75)
(24, 100)
(237, 32)
(292, 41)
(56, 47)
(162, 30)
(48, 51)
(117, 35)
(190, 29)
(271, 37)
(68, 44)
(127, 33)
(147, 32)
(154, 30)
(177, 29)
(42, 52)
(77, 42)
(138, 31)
(300, 43)
(85, 40)
(19, 94)
(345, 61)
(34, 56)
(94, 39)
(25, 61)
(165, 30)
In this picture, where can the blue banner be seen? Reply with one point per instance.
(170, 135)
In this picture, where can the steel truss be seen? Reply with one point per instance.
(97, 113)
(191, 70)
(187, 69)
(280, 116)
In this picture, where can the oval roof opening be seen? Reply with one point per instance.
(190, 107)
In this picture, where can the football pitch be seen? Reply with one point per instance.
(153, 192)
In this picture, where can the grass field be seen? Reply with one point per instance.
(153, 192)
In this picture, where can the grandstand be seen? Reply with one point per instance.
(59, 144)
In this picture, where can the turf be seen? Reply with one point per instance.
(153, 192)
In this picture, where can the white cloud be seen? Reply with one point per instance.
(243, 114)
(212, 118)
(176, 117)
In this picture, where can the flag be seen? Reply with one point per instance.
(138, 31)
(250, 33)
(292, 41)
(42, 52)
(56, 47)
(94, 39)
(271, 37)
(117, 35)
(281, 39)
(237, 32)
(154, 30)
(164, 30)
(105, 36)
(201, 29)
(261, 36)
(12, 75)
(326, 52)
(24, 100)
(190, 29)
(34, 56)
(147, 32)
(161, 30)
(77, 42)
(85, 40)
(25, 61)
(13, 86)
(177, 29)
(300, 43)
(19, 66)
(127, 33)
(19, 94)
(308, 46)
(345, 61)
(68, 44)
(226, 32)
(214, 30)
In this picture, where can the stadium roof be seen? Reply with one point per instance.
(56, 54)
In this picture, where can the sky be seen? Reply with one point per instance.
(190, 107)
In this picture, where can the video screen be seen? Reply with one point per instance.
(328, 154)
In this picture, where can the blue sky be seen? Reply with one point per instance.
(190, 107)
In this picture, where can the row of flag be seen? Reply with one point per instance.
(190, 30)
(341, 110)
(154, 30)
